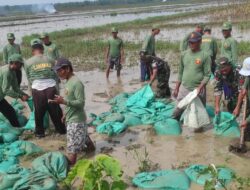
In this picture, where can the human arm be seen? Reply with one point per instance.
(153, 76)
(179, 80)
(122, 55)
(106, 53)
(234, 50)
(5, 55)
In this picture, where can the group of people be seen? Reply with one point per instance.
(46, 67)
(44, 70)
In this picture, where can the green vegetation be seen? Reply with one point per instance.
(103, 173)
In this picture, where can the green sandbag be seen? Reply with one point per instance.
(210, 111)
(8, 137)
(19, 148)
(18, 108)
(53, 164)
(17, 105)
(35, 180)
(165, 179)
(119, 98)
(8, 133)
(142, 97)
(168, 126)
(131, 120)
(198, 174)
(114, 117)
(5, 165)
(111, 128)
(226, 125)
(30, 103)
(30, 125)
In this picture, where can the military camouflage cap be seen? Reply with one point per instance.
(10, 36)
(222, 61)
(207, 28)
(200, 25)
(227, 26)
(36, 41)
(114, 30)
(43, 35)
(15, 58)
(155, 27)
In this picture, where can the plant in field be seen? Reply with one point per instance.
(102, 173)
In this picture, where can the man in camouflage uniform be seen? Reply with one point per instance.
(228, 81)
(10, 49)
(229, 44)
(209, 44)
(50, 48)
(161, 71)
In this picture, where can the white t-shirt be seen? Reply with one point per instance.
(42, 84)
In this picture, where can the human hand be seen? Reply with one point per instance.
(24, 98)
(176, 92)
(236, 112)
(243, 124)
(217, 110)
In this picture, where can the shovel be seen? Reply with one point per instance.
(241, 147)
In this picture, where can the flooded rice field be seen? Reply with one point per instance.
(164, 152)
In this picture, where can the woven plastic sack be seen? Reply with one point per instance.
(114, 117)
(196, 174)
(111, 128)
(5, 165)
(188, 99)
(8, 133)
(226, 125)
(131, 120)
(142, 97)
(195, 115)
(167, 127)
(53, 164)
(165, 179)
(30, 125)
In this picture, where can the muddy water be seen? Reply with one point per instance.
(166, 151)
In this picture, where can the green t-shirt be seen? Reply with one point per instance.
(149, 45)
(246, 86)
(9, 50)
(115, 46)
(75, 100)
(51, 51)
(39, 67)
(209, 44)
(194, 69)
(8, 83)
(184, 43)
(229, 50)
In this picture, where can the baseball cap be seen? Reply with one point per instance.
(194, 37)
(61, 62)
(35, 41)
(227, 26)
(44, 34)
(114, 29)
(10, 36)
(245, 70)
(15, 58)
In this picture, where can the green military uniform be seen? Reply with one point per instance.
(229, 47)
(230, 85)
(75, 100)
(9, 50)
(8, 84)
(51, 51)
(194, 68)
(184, 43)
(163, 74)
(115, 46)
(246, 86)
(149, 45)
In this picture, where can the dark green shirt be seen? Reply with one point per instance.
(184, 43)
(9, 50)
(149, 45)
(8, 83)
(51, 51)
(39, 67)
(115, 46)
(229, 50)
(209, 44)
(194, 69)
(75, 101)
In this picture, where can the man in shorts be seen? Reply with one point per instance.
(74, 115)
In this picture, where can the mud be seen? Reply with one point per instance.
(165, 152)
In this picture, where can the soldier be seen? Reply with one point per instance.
(209, 44)
(42, 79)
(50, 48)
(114, 55)
(161, 71)
(229, 44)
(194, 71)
(245, 91)
(10, 49)
(227, 81)
(149, 48)
(9, 87)
(184, 43)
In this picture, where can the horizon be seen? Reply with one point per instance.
(32, 2)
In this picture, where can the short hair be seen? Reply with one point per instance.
(38, 46)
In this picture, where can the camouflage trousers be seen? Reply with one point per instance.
(163, 89)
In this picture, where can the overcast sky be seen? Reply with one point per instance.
(25, 2)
